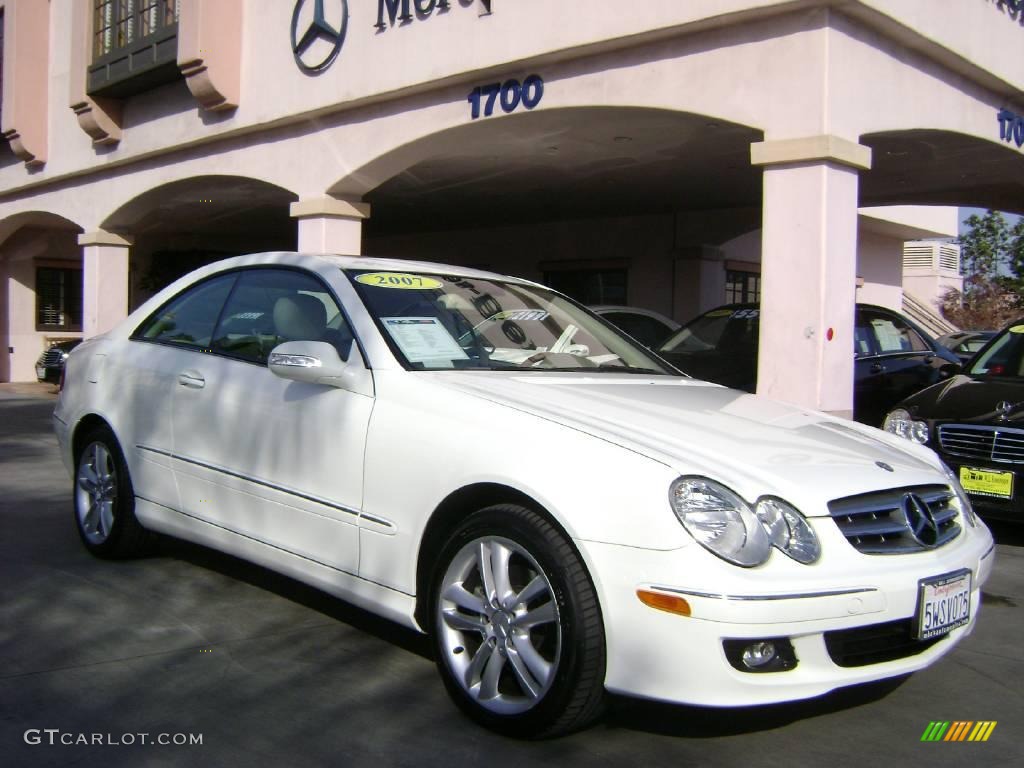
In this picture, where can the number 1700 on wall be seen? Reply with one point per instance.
(509, 95)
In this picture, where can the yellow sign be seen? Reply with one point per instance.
(400, 280)
(986, 482)
(1017, 329)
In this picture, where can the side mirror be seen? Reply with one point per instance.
(317, 362)
(949, 370)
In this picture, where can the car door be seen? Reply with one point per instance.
(903, 358)
(165, 344)
(277, 461)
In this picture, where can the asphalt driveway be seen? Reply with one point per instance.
(265, 671)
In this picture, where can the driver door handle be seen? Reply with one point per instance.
(191, 379)
(877, 368)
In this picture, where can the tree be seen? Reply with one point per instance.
(992, 260)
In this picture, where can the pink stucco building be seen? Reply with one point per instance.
(659, 153)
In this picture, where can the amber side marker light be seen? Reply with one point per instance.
(663, 602)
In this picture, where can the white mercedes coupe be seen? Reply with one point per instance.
(483, 460)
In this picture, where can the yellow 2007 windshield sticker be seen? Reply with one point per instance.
(1017, 329)
(400, 280)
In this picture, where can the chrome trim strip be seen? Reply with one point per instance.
(751, 598)
(156, 451)
(271, 486)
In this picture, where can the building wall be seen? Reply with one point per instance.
(19, 257)
(644, 244)
(879, 265)
(789, 73)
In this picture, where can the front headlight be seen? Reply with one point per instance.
(899, 422)
(788, 530)
(720, 520)
(961, 495)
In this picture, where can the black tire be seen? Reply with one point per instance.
(547, 648)
(104, 501)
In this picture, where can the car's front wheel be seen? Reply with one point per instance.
(105, 500)
(516, 624)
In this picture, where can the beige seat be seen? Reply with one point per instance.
(300, 317)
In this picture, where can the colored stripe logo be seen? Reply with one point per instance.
(958, 730)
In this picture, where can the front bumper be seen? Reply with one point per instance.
(659, 655)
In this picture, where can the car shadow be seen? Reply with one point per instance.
(297, 592)
(712, 722)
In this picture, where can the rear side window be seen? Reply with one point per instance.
(188, 319)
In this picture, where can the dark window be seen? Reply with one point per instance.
(590, 286)
(189, 318)
(863, 339)
(742, 287)
(135, 46)
(271, 306)
(58, 299)
(647, 330)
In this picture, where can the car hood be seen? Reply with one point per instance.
(966, 398)
(755, 444)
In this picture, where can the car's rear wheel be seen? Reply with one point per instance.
(516, 625)
(105, 500)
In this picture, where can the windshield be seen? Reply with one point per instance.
(438, 322)
(1004, 358)
(727, 329)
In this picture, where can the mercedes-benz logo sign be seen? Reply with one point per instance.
(316, 41)
(1004, 409)
(920, 520)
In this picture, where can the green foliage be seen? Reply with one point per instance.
(992, 260)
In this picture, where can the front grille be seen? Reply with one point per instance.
(876, 643)
(983, 443)
(51, 357)
(892, 522)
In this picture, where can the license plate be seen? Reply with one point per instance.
(40, 372)
(987, 482)
(943, 604)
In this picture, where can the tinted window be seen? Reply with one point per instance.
(644, 329)
(862, 340)
(271, 306)
(894, 335)
(189, 318)
(725, 330)
(1005, 357)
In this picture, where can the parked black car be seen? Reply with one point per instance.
(965, 344)
(975, 422)
(894, 357)
(51, 362)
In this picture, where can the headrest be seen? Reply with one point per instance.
(300, 317)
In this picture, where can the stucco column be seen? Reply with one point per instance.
(809, 270)
(330, 225)
(105, 280)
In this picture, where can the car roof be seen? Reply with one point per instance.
(294, 258)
